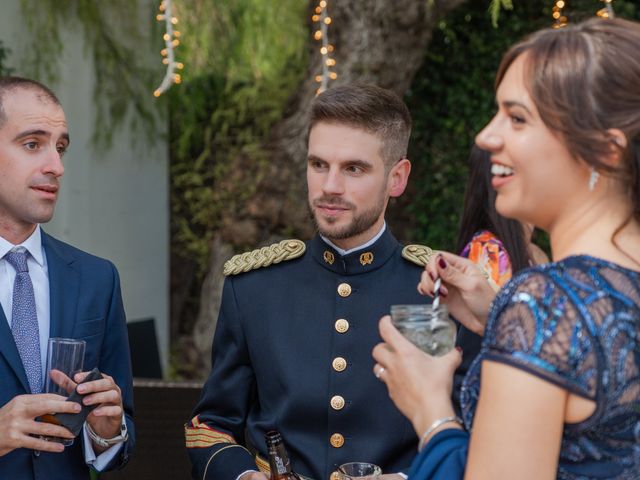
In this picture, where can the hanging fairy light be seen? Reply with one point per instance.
(328, 62)
(171, 41)
(560, 20)
(607, 11)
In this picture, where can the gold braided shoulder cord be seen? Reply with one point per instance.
(265, 256)
(418, 254)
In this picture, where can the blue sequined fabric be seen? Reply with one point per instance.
(575, 323)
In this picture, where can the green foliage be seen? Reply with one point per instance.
(494, 9)
(452, 98)
(4, 52)
(240, 72)
(112, 32)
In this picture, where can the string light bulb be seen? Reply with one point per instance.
(559, 20)
(607, 11)
(171, 42)
(324, 20)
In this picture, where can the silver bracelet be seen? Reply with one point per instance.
(437, 424)
(123, 436)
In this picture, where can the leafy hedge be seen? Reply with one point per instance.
(4, 53)
(452, 97)
(242, 68)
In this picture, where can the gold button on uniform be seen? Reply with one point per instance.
(337, 402)
(344, 289)
(335, 476)
(339, 364)
(341, 325)
(337, 440)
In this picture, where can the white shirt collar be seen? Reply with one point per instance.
(359, 247)
(33, 245)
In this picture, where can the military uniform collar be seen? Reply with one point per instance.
(366, 244)
(360, 261)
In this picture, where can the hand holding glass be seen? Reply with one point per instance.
(430, 329)
(65, 358)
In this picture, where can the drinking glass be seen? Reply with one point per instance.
(65, 358)
(359, 471)
(430, 329)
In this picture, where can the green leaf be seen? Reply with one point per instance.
(494, 9)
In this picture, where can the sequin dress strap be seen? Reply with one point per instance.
(539, 329)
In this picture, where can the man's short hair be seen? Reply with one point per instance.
(371, 108)
(9, 84)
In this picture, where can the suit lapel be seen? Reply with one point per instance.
(64, 284)
(9, 350)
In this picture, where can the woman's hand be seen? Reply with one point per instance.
(419, 384)
(464, 289)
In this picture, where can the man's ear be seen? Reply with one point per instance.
(398, 177)
(618, 144)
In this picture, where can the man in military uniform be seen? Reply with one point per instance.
(298, 322)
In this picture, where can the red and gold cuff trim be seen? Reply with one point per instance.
(200, 435)
(262, 465)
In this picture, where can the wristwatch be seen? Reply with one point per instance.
(123, 436)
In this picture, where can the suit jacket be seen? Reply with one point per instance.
(292, 352)
(85, 303)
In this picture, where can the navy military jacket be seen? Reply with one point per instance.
(292, 352)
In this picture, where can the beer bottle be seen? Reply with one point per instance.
(279, 462)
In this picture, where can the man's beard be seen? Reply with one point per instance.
(360, 223)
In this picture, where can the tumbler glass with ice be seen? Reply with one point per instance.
(429, 328)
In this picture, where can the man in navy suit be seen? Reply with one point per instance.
(75, 295)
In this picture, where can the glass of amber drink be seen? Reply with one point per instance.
(65, 358)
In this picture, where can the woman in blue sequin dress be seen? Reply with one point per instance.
(555, 391)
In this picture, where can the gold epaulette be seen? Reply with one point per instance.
(265, 256)
(418, 254)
